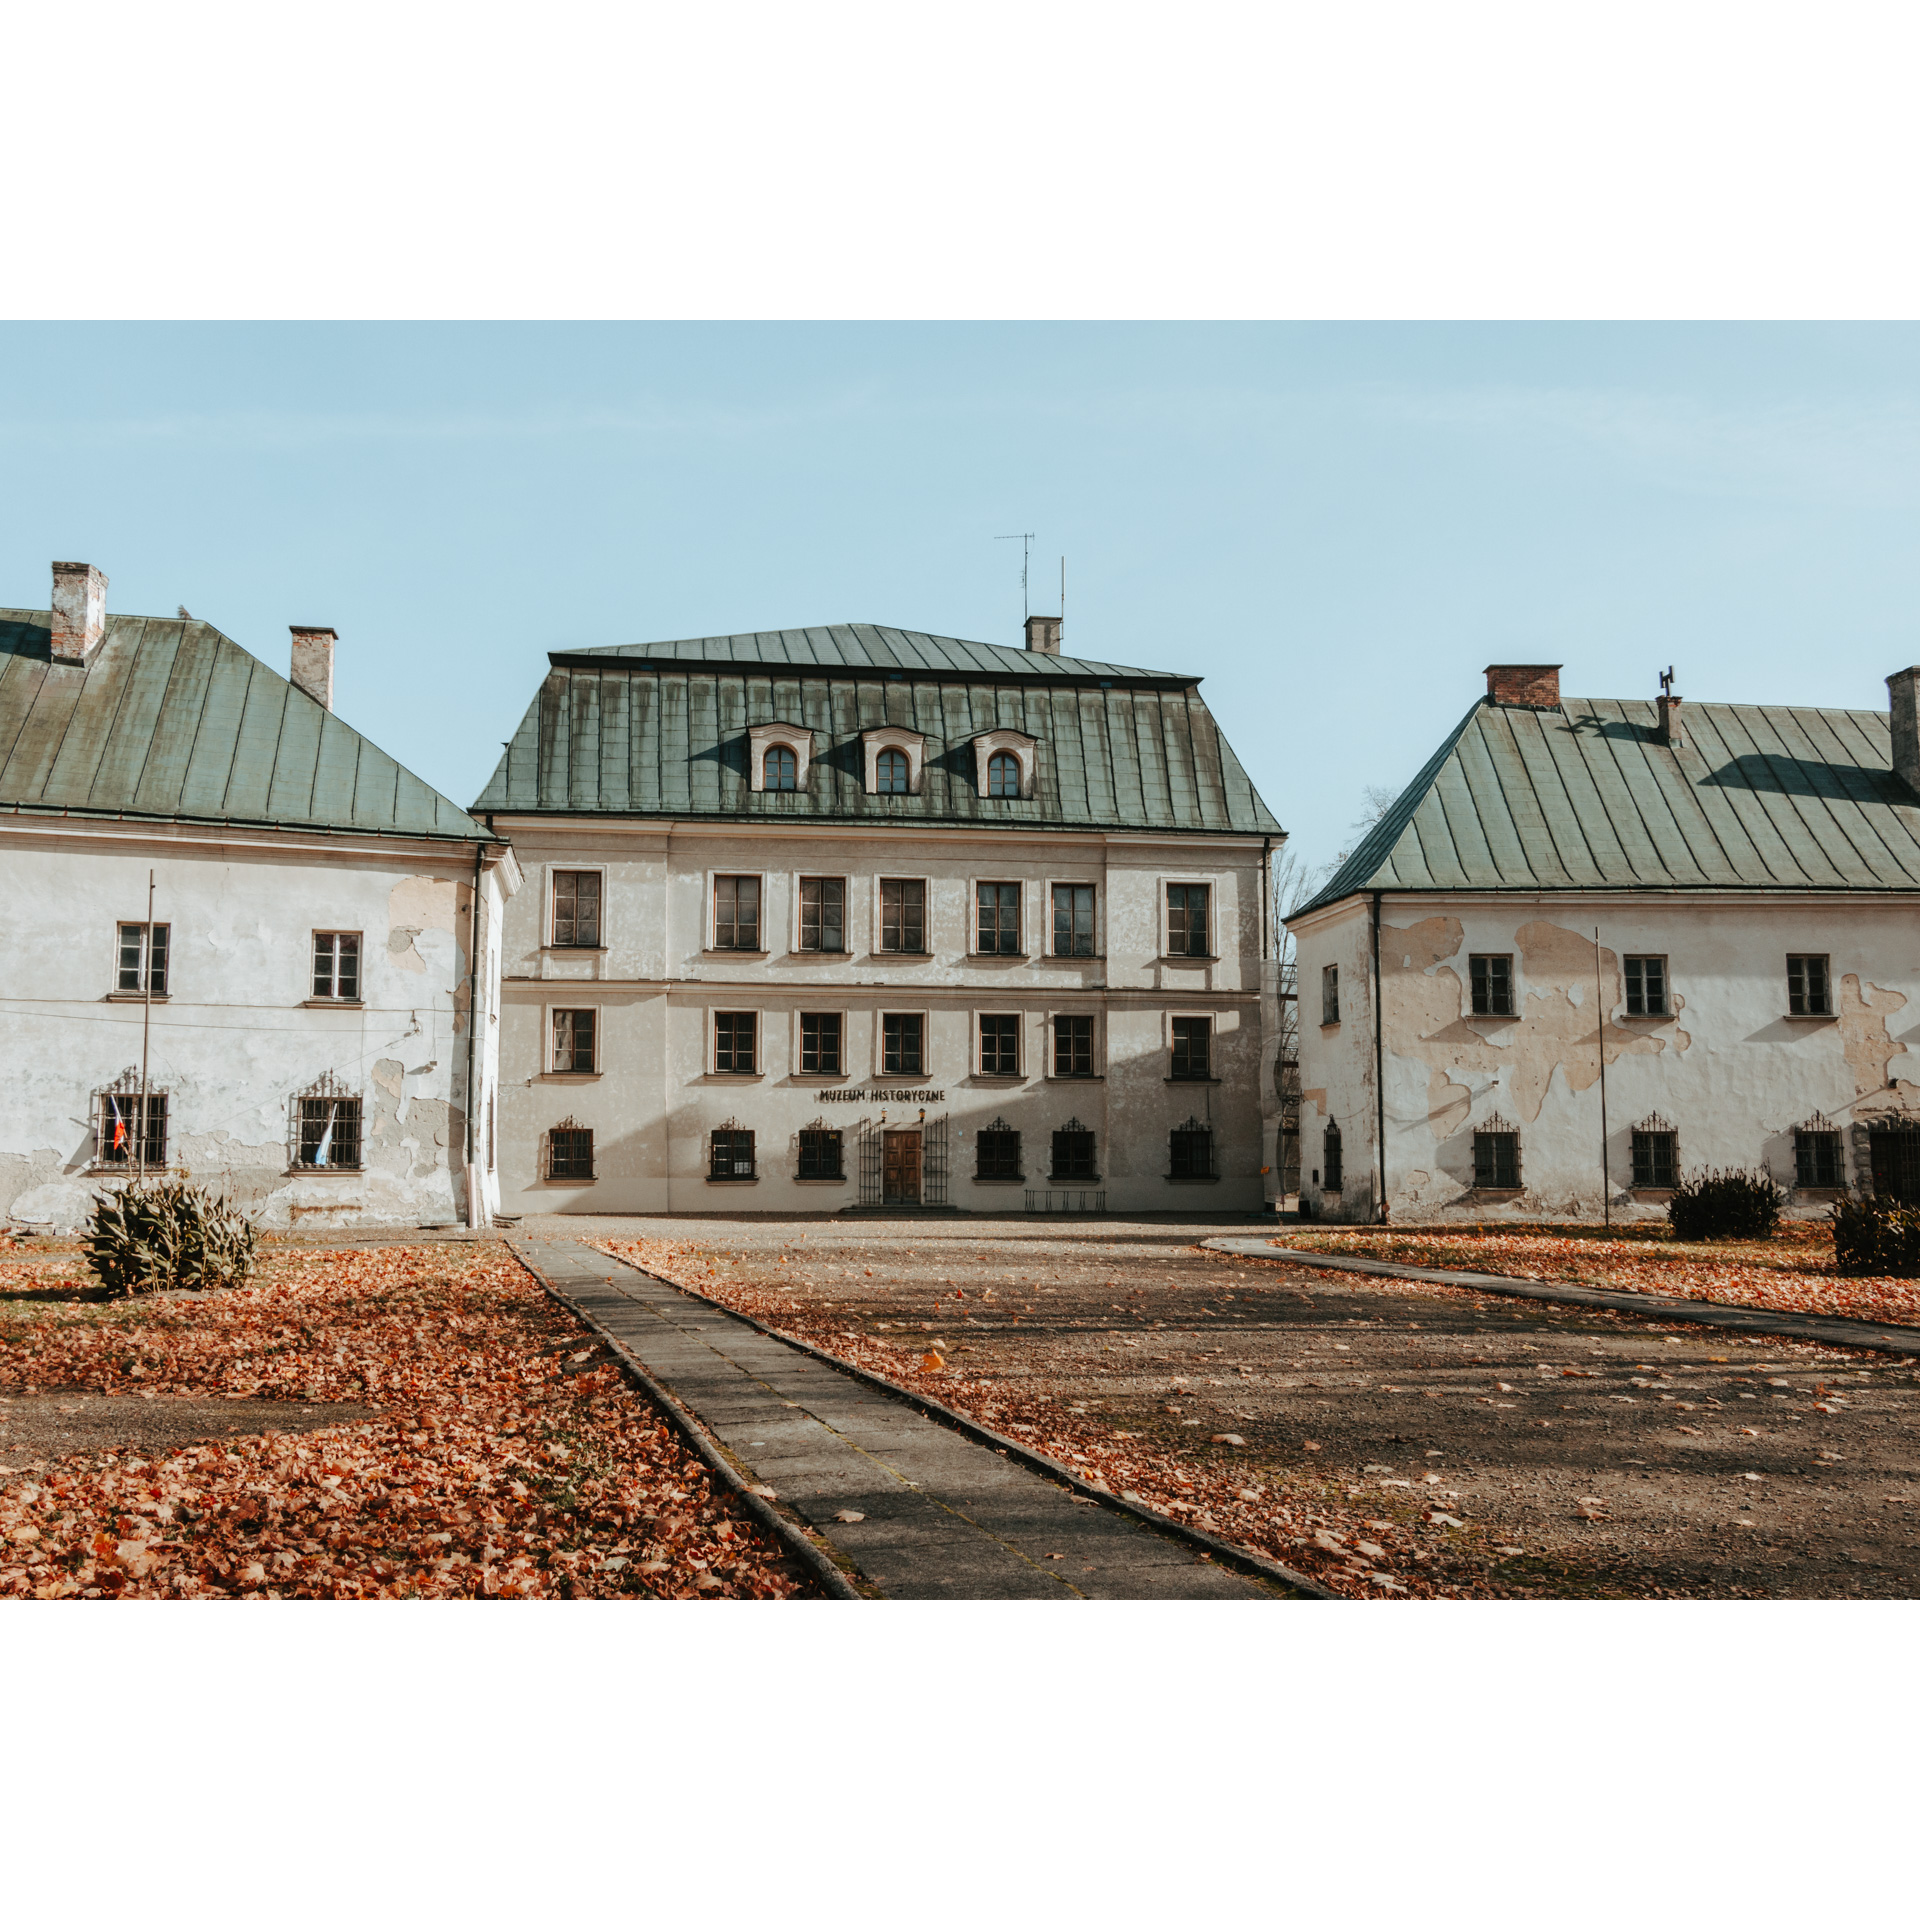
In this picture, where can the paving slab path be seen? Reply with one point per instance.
(945, 1517)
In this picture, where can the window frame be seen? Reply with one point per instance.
(1653, 1185)
(1209, 932)
(550, 932)
(1804, 1011)
(796, 933)
(879, 948)
(1492, 1135)
(876, 741)
(553, 1176)
(1330, 995)
(105, 1112)
(977, 890)
(779, 733)
(1629, 987)
(1053, 884)
(1333, 1155)
(332, 999)
(1007, 1142)
(1175, 1021)
(554, 1011)
(815, 1134)
(1476, 1012)
(143, 962)
(1074, 1132)
(881, 1071)
(734, 1014)
(1801, 1159)
(1190, 1136)
(1093, 1046)
(302, 1120)
(734, 1135)
(981, 1016)
(736, 874)
(1024, 747)
(798, 1040)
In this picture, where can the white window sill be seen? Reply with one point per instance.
(1812, 1019)
(139, 998)
(731, 1077)
(550, 1181)
(334, 1000)
(324, 1173)
(570, 1074)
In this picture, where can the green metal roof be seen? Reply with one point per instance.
(662, 730)
(860, 649)
(171, 720)
(1584, 795)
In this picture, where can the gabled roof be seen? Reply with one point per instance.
(1584, 795)
(170, 720)
(662, 731)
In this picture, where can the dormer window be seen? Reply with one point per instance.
(891, 772)
(1006, 764)
(895, 759)
(779, 757)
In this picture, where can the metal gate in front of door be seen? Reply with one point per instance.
(903, 1166)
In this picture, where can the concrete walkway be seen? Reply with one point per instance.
(945, 1518)
(1872, 1335)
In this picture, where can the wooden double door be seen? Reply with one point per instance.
(900, 1170)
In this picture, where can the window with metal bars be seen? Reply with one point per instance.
(1496, 1157)
(576, 908)
(134, 975)
(1073, 921)
(1656, 1157)
(1187, 920)
(329, 1132)
(1816, 1157)
(996, 1152)
(735, 1042)
(820, 1043)
(1330, 1168)
(1073, 1152)
(123, 1142)
(1646, 986)
(736, 912)
(1072, 1046)
(575, 1032)
(1000, 1043)
(1809, 989)
(820, 1153)
(570, 1153)
(1491, 978)
(731, 1154)
(823, 916)
(997, 921)
(903, 916)
(902, 1038)
(336, 966)
(1190, 1148)
(1192, 1049)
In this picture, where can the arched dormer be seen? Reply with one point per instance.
(901, 740)
(777, 733)
(1025, 751)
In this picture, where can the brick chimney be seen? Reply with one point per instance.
(1043, 633)
(1523, 686)
(1671, 730)
(79, 611)
(1903, 690)
(313, 662)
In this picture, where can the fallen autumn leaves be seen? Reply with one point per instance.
(496, 1468)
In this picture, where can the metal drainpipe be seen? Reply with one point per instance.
(1379, 1067)
(473, 1013)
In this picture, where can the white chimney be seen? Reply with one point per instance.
(79, 611)
(313, 662)
(1903, 690)
(1043, 633)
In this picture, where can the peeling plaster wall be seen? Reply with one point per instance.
(233, 1045)
(653, 1104)
(1730, 1069)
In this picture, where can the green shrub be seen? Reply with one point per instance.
(143, 1239)
(1875, 1236)
(1724, 1205)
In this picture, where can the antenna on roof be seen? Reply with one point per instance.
(1026, 547)
(1063, 589)
(1666, 681)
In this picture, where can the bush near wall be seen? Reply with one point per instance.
(1875, 1236)
(144, 1239)
(1723, 1204)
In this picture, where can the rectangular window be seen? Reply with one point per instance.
(1073, 1046)
(998, 923)
(1192, 1153)
(576, 909)
(1816, 1157)
(1492, 978)
(997, 1153)
(1192, 1049)
(336, 966)
(731, 1154)
(820, 1153)
(1329, 996)
(1073, 921)
(823, 916)
(574, 1034)
(1496, 1160)
(820, 1043)
(734, 1037)
(1073, 1153)
(1646, 986)
(903, 916)
(900, 1043)
(570, 1153)
(1187, 920)
(122, 1140)
(329, 1133)
(1807, 984)
(736, 912)
(1330, 1159)
(1656, 1159)
(1000, 1043)
(133, 946)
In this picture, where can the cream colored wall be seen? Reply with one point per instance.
(653, 1104)
(1731, 1070)
(233, 1044)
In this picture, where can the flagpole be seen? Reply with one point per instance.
(146, 1034)
(1600, 1017)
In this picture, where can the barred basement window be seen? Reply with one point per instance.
(1073, 1152)
(734, 1037)
(732, 1153)
(1656, 1153)
(1073, 1046)
(576, 909)
(1192, 1049)
(1808, 986)
(336, 966)
(903, 915)
(1330, 1158)
(823, 916)
(819, 1043)
(570, 1153)
(901, 1049)
(998, 917)
(1073, 921)
(1496, 1154)
(736, 912)
(1191, 1147)
(997, 1152)
(1646, 986)
(820, 1152)
(133, 975)
(1491, 976)
(1816, 1154)
(326, 1126)
(121, 1138)
(575, 1030)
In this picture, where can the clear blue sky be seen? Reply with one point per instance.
(1338, 526)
